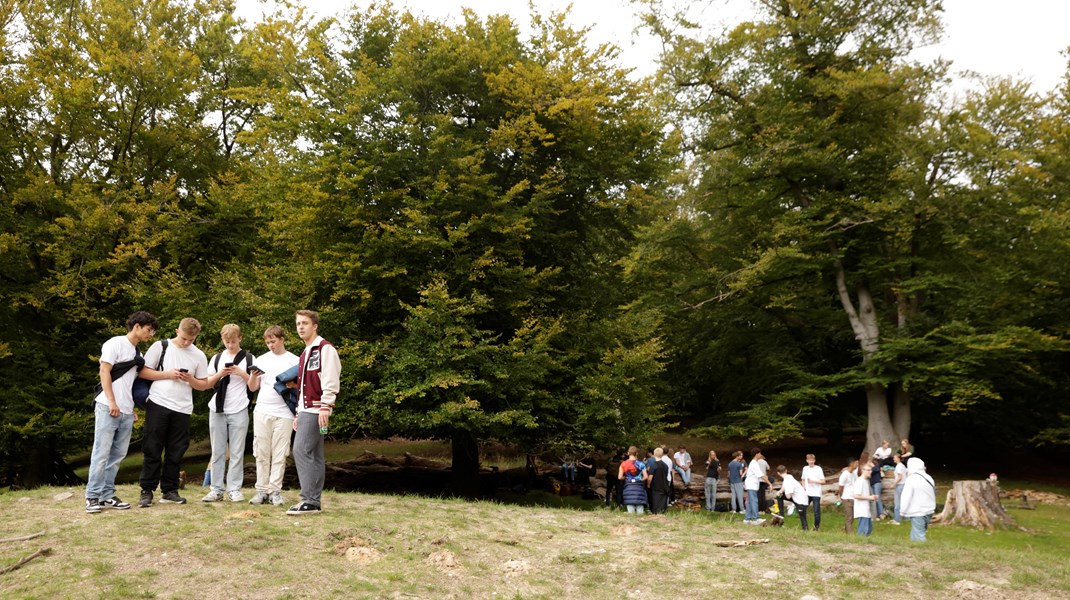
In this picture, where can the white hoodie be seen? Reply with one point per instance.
(919, 492)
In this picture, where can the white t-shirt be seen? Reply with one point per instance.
(900, 474)
(237, 398)
(863, 508)
(814, 473)
(755, 471)
(882, 453)
(668, 463)
(116, 350)
(174, 394)
(268, 401)
(793, 490)
(683, 460)
(847, 482)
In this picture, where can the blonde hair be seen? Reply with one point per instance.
(809, 456)
(190, 326)
(230, 331)
(311, 314)
(275, 331)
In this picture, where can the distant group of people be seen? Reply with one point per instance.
(642, 483)
(298, 399)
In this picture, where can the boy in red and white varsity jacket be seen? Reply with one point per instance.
(320, 370)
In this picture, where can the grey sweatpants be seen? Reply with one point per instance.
(308, 456)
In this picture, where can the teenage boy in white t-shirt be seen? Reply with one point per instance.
(863, 499)
(756, 475)
(847, 494)
(813, 477)
(228, 416)
(114, 411)
(272, 420)
(793, 491)
(170, 405)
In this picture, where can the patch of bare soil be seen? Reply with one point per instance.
(971, 590)
(444, 561)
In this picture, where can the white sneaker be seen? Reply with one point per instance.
(236, 496)
(213, 496)
(259, 498)
(276, 499)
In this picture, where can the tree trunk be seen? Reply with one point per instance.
(878, 422)
(900, 415)
(975, 503)
(465, 466)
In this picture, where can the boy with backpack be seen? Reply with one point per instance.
(114, 417)
(228, 415)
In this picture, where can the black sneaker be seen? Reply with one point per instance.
(146, 499)
(172, 497)
(115, 503)
(303, 508)
(92, 505)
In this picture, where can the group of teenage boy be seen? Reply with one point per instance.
(174, 368)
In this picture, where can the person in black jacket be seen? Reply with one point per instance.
(660, 484)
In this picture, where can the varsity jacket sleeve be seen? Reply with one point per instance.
(330, 376)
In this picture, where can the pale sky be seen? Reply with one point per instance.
(1020, 38)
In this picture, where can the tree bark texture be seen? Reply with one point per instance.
(977, 504)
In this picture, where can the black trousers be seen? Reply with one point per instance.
(166, 434)
(799, 508)
(763, 497)
(659, 501)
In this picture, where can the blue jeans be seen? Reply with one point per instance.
(865, 526)
(736, 503)
(228, 431)
(711, 493)
(111, 439)
(898, 495)
(636, 508)
(918, 527)
(877, 488)
(752, 506)
(815, 502)
(685, 474)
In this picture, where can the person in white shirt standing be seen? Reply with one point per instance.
(228, 415)
(756, 475)
(272, 420)
(114, 411)
(847, 494)
(863, 497)
(813, 477)
(900, 481)
(183, 368)
(318, 382)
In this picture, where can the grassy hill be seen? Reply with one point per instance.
(377, 546)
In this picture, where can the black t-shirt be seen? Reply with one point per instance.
(875, 475)
(711, 470)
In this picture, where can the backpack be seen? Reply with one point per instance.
(221, 385)
(119, 369)
(140, 389)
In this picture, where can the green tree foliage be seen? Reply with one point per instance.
(828, 244)
(462, 201)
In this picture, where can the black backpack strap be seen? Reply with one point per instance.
(163, 353)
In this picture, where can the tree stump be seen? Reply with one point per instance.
(977, 504)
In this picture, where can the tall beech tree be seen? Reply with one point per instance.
(829, 205)
(458, 211)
